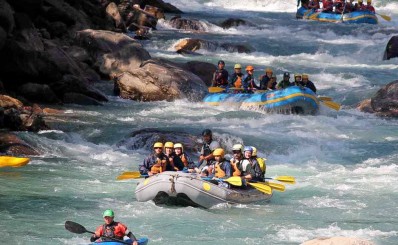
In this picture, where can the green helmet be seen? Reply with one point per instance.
(108, 213)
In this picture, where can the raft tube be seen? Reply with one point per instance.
(14, 162)
(141, 241)
(357, 17)
(186, 189)
(290, 100)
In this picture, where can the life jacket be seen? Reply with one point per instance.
(238, 82)
(159, 166)
(261, 162)
(220, 78)
(235, 169)
(184, 159)
(115, 230)
(219, 172)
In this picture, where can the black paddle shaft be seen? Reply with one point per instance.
(79, 229)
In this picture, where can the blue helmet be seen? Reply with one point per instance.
(248, 148)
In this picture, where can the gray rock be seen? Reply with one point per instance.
(6, 17)
(385, 101)
(38, 93)
(80, 99)
(12, 145)
(391, 48)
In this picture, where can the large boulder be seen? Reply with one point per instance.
(6, 17)
(338, 240)
(38, 92)
(7, 102)
(113, 13)
(10, 144)
(187, 45)
(234, 22)
(385, 101)
(178, 22)
(159, 79)
(114, 52)
(391, 48)
(204, 70)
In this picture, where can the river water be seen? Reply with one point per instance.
(345, 162)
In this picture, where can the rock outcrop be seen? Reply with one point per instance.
(187, 45)
(391, 48)
(384, 103)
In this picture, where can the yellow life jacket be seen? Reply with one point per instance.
(235, 170)
(261, 162)
(219, 172)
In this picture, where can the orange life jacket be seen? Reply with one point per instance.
(238, 82)
(235, 170)
(159, 166)
(219, 172)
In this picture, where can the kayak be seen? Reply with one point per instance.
(185, 189)
(357, 17)
(141, 241)
(14, 162)
(294, 99)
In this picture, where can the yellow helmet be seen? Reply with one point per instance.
(360, 1)
(219, 152)
(237, 66)
(237, 147)
(249, 68)
(168, 145)
(179, 145)
(158, 145)
(369, 1)
(297, 75)
(305, 76)
(254, 154)
(268, 70)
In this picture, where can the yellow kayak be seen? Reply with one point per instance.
(15, 162)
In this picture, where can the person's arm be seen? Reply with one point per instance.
(228, 169)
(143, 168)
(97, 234)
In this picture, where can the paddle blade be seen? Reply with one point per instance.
(216, 89)
(324, 98)
(333, 105)
(275, 186)
(287, 179)
(262, 187)
(75, 227)
(234, 180)
(386, 17)
(129, 175)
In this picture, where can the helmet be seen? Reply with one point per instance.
(219, 152)
(237, 66)
(179, 145)
(369, 1)
(360, 1)
(268, 70)
(108, 213)
(254, 154)
(297, 75)
(286, 74)
(305, 75)
(221, 62)
(237, 147)
(168, 145)
(249, 68)
(158, 144)
(207, 132)
(248, 148)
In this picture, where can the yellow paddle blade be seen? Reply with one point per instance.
(333, 105)
(262, 187)
(324, 98)
(386, 17)
(216, 89)
(14, 162)
(287, 179)
(275, 186)
(234, 180)
(129, 175)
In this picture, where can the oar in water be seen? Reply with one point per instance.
(286, 179)
(327, 101)
(79, 229)
(386, 17)
(130, 175)
(275, 186)
(13, 162)
(261, 187)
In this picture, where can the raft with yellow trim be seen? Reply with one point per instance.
(299, 100)
(352, 17)
(186, 189)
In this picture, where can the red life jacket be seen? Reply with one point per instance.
(115, 230)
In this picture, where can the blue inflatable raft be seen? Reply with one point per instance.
(141, 241)
(352, 17)
(290, 100)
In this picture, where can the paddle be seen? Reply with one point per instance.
(275, 186)
(261, 187)
(386, 17)
(79, 229)
(287, 179)
(234, 180)
(130, 175)
(327, 101)
(13, 162)
(324, 98)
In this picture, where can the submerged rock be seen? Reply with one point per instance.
(391, 48)
(10, 144)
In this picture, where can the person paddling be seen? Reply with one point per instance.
(112, 229)
(220, 76)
